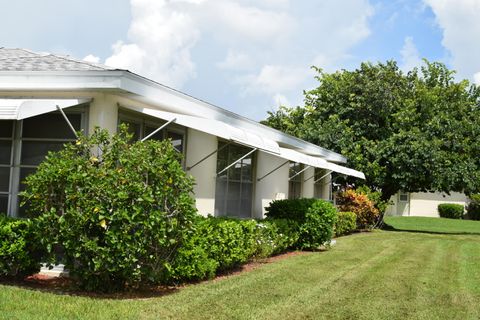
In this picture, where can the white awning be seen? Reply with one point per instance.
(213, 127)
(346, 171)
(18, 109)
(299, 157)
(317, 162)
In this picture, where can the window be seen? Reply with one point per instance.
(295, 182)
(141, 126)
(403, 196)
(322, 186)
(23, 146)
(234, 189)
(6, 144)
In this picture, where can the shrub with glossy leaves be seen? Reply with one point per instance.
(359, 203)
(346, 223)
(317, 229)
(473, 208)
(291, 209)
(19, 253)
(450, 210)
(117, 210)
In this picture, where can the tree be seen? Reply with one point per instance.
(417, 131)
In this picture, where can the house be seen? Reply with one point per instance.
(422, 204)
(239, 165)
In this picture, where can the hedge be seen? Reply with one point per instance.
(19, 254)
(346, 223)
(473, 208)
(315, 219)
(219, 244)
(450, 210)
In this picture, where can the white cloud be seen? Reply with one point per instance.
(476, 78)
(236, 61)
(273, 79)
(410, 55)
(246, 22)
(280, 100)
(91, 58)
(161, 36)
(460, 22)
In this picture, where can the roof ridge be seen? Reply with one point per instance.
(91, 64)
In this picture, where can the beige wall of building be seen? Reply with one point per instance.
(199, 145)
(307, 187)
(423, 204)
(272, 186)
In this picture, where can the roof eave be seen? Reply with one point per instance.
(144, 89)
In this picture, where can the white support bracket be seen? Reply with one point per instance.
(270, 172)
(208, 156)
(326, 174)
(299, 172)
(233, 163)
(68, 121)
(159, 128)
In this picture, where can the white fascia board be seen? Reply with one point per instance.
(48, 81)
(146, 90)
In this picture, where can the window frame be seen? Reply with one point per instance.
(296, 180)
(229, 180)
(16, 166)
(145, 120)
(403, 193)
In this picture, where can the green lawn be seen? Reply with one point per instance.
(436, 225)
(377, 275)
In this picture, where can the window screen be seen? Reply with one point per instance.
(234, 188)
(295, 183)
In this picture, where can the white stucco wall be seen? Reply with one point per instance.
(307, 187)
(424, 204)
(199, 145)
(270, 186)
(103, 113)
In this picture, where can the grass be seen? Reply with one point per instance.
(434, 225)
(377, 275)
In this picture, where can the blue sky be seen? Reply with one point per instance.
(243, 55)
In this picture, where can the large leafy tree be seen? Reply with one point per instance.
(415, 131)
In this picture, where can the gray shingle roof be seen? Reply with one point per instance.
(25, 60)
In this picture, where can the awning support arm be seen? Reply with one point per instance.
(159, 128)
(68, 121)
(240, 159)
(299, 172)
(326, 174)
(208, 155)
(270, 172)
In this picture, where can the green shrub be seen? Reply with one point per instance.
(19, 253)
(291, 209)
(450, 210)
(117, 211)
(313, 219)
(473, 208)
(346, 223)
(220, 244)
(359, 203)
(317, 228)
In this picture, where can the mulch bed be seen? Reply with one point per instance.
(64, 285)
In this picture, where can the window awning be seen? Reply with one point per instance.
(317, 162)
(18, 109)
(346, 171)
(213, 127)
(299, 157)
